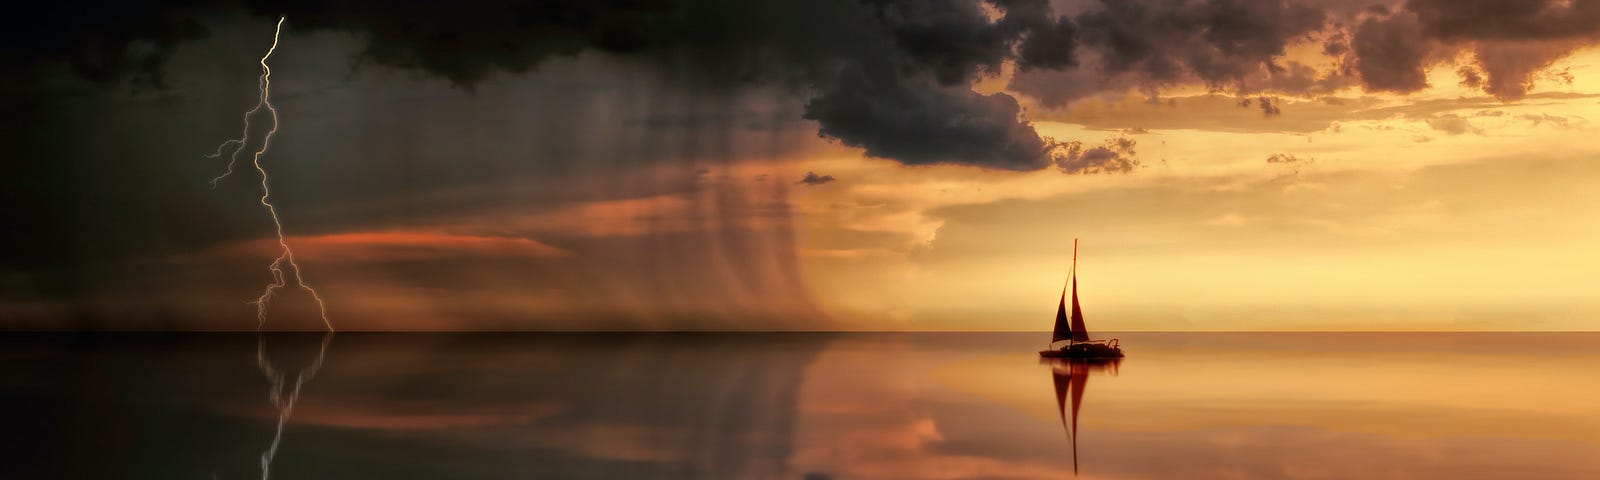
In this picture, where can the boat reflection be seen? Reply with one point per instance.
(1070, 376)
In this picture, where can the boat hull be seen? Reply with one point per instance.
(1083, 350)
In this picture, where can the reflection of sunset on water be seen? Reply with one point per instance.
(1204, 405)
(841, 406)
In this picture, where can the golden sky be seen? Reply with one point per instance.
(1444, 209)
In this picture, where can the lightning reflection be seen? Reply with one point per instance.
(286, 255)
(282, 393)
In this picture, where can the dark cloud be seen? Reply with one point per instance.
(1097, 47)
(813, 179)
(1509, 68)
(466, 45)
(917, 53)
(921, 123)
(1511, 41)
(1390, 54)
(100, 41)
(1497, 20)
(1047, 42)
(1470, 76)
(1269, 106)
(890, 77)
(1115, 156)
(1149, 45)
(1387, 46)
(1336, 45)
(954, 40)
(1295, 78)
(1215, 41)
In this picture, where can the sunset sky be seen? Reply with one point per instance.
(811, 164)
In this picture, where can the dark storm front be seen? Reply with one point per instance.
(795, 406)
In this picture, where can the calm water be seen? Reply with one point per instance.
(800, 406)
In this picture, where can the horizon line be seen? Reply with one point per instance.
(691, 332)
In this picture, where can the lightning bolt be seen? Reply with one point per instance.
(286, 255)
(282, 396)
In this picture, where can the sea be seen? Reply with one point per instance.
(806, 406)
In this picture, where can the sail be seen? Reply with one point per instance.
(1062, 329)
(1078, 332)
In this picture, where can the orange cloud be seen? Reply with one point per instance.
(394, 245)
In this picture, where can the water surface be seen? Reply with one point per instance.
(801, 406)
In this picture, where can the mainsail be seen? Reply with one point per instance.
(1079, 333)
(1072, 329)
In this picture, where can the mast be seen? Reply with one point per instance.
(1079, 332)
(1063, 327)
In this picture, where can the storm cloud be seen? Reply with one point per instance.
(1510, 42)
(919, 55)
(924, 123)
(891, 77)
(508, 111)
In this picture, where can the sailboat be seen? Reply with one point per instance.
(1072, 329)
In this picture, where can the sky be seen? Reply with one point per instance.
(807, 165)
